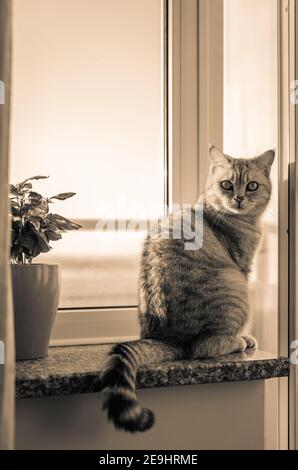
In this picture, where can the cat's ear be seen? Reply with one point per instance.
(266, 160)
(217, 158)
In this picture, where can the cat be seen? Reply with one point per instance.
(194, 303)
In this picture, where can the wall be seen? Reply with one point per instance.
(213, 416)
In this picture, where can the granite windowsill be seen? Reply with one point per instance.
(76, 369)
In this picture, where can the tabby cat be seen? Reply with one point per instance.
(194, 303)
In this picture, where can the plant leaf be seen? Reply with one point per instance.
(63, 223)
(29, 243)
(51, 235)
(13, 189)
(34, 221)
(15, 208)
(35, 205)
(38, 177)
(25, 188)
(43, 242)
(63, 196)
(34, 198)
(49, 225)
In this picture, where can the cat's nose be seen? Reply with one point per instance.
(238, 199)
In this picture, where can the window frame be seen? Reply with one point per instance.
(290, 19)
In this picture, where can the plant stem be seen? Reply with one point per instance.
(20, 230)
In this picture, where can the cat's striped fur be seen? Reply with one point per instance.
(194, 304)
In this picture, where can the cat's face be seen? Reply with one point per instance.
(239, 186)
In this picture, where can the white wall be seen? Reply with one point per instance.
(211, 416)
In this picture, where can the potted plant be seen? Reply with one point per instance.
(36, 287)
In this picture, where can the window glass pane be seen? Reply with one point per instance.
(88, 111)
(100, 269)
(250, 128)
(87, 102)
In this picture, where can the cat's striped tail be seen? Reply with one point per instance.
(118, 381)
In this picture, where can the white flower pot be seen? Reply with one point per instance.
(36, 290)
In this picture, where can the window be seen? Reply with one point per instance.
(105, 102)
(88, 110)
(123, 116)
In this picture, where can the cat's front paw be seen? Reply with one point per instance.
(251, 342)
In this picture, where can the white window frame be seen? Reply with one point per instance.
(290, 19)
(288, 221)
(283, 151)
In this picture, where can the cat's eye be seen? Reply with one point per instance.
(227, 185)
(252, 186)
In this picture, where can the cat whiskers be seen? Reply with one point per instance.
(218, 217)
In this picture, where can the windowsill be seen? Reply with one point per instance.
(75, 369)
